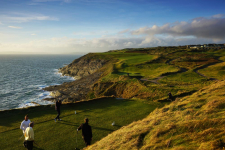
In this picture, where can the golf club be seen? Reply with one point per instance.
(77, 134)
(36, 144)
(20, 137)
(76, 142)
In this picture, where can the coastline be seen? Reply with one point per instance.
(46, 94)
(42, 96)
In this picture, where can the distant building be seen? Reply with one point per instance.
(206, 46)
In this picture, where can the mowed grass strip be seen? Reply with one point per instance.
(134, 59)
(151, 71)
(188, 77)
(58, 135)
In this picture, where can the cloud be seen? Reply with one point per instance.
(78, 45)
(42, 1)
(218, 16)
(15, 27)
(210, 28)
(20, 17)
(124, 31)
(33, 34)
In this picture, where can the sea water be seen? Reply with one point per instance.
(23, 77)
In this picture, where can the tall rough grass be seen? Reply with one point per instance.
(195, 122)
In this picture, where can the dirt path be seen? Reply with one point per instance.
(205, 66)
(166, 74)
(181, 70)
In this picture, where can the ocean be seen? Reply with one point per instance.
(22, 78)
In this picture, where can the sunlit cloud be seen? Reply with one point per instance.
(20, 17)
(15, 27)
(124, 31)
(211, 28)
(77, 45)
(218, 16)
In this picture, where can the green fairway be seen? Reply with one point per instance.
(216, 71)
(188, 77)
(51, 135)
(150, 71)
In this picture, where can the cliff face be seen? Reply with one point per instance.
(83, 66)
(86, 71)
(73, 91)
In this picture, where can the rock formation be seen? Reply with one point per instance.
(86, 71)
(82, 67)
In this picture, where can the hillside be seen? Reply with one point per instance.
(145, 119)
(194, 77)
(145, 74)
(191, 123)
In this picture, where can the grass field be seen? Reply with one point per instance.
(182, 117)
(62, 134)
(151, 64)
(215, 71)
(188, 77)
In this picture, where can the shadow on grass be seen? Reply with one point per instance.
(117, 126)
(178, 96)
(68, 123)
(8, 118)
(37, 148)
(99, 128)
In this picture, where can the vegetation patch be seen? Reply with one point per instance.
(58, 135)
(171, 127)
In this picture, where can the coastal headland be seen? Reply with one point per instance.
(130, 87)
(146, 74)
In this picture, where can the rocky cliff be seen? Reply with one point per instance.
(86, 71)
(83, 66)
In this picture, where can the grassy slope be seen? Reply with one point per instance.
(154, 63)
(167, 127)
(215, 71)
(61, 135)
(193, 122)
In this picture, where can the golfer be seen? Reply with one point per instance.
(29, 136)
(170, 97)
(24, 123)
(86, 132)
(57, 108)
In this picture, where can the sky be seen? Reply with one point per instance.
(83, 26)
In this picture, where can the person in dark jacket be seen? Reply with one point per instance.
(170, 96)
(86, 132)
(57, 108)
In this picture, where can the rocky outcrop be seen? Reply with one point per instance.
(86, 70)
(83, 66)
(74, 91)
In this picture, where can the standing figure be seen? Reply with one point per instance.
(170, 96)
(57, 108)
(24, 123)
(86, 132)
(29, 136)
